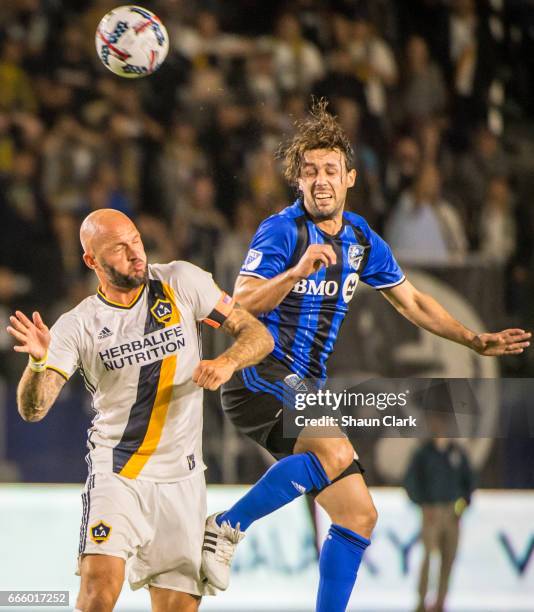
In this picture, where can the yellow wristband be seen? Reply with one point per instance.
(38, 365)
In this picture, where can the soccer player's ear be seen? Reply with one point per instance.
(89, 261)
(351, 178)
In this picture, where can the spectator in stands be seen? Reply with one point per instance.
(236, 242)
(206, 44)
(182, 159)
(106, 191)
(369, 196)
(200, 233)
(471, 177)
(472, 60)
(402, 167)
(233, 135)
(70, 156)
(266, 186)
(73, 66)
(28, 246)
(374, 64)
(7, 143)
(340, 79)
(423, 227)
(497, 223)
(16, 90)
(423, 91)
(261, 78)
(298, 61)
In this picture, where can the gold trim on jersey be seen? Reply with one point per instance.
(116, 304)
(137, 461)
(59, 371)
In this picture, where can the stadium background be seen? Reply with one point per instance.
(437, 99)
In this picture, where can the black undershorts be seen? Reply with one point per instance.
(253, 399)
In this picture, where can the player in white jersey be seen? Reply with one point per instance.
(137, 345)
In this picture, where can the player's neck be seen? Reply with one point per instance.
(331, 226)
(124, 297)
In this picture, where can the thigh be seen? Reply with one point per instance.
(255, 399)
(450, 531)
(102, 576)
(430, 530)
(172, 558)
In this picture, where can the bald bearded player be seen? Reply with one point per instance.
(137, 345)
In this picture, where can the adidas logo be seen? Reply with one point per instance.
(105, 332)
(300, 488)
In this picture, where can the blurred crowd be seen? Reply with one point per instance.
(434, 94)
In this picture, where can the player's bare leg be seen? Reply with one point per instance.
(167, 600)
(102, 577)
(347, 501)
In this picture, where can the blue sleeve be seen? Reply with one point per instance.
(382, 270)
(271, 248)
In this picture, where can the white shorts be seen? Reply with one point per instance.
(157, 528)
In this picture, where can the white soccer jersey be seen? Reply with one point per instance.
(137, 361)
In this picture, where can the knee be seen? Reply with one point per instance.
(362, 519)
(96, 602)
(337, 458)
(357, 515)
(98, 594)
(370, 517)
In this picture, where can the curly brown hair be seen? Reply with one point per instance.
(320, 130)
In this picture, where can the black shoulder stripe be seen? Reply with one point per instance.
(302, 241)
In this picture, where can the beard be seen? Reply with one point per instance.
(125, 281)
(318, 213)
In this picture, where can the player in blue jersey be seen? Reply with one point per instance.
(301, 272)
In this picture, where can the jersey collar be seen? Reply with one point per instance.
(104, 299)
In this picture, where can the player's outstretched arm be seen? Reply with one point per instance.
(259, 295)
(38, 387)
(423, 310)
(252, 343)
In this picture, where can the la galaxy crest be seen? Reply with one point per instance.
(355, 255)
(100, 532)
(162, 310)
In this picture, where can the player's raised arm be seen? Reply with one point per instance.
(423, 310)
(259, 295)
(252, 344)
(38, 387)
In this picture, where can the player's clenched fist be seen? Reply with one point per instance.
(33, 336)
(212, 373)
(316, 255)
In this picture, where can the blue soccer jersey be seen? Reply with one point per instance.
(306, 323)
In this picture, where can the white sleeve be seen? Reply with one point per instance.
(63, 352)
(197, 287)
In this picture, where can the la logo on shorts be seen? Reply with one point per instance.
(100, 532)
(162, 311)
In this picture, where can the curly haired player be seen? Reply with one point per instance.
(300, 274)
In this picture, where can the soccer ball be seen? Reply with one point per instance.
(131, 41)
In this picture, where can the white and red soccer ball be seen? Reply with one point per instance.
(131, 41)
